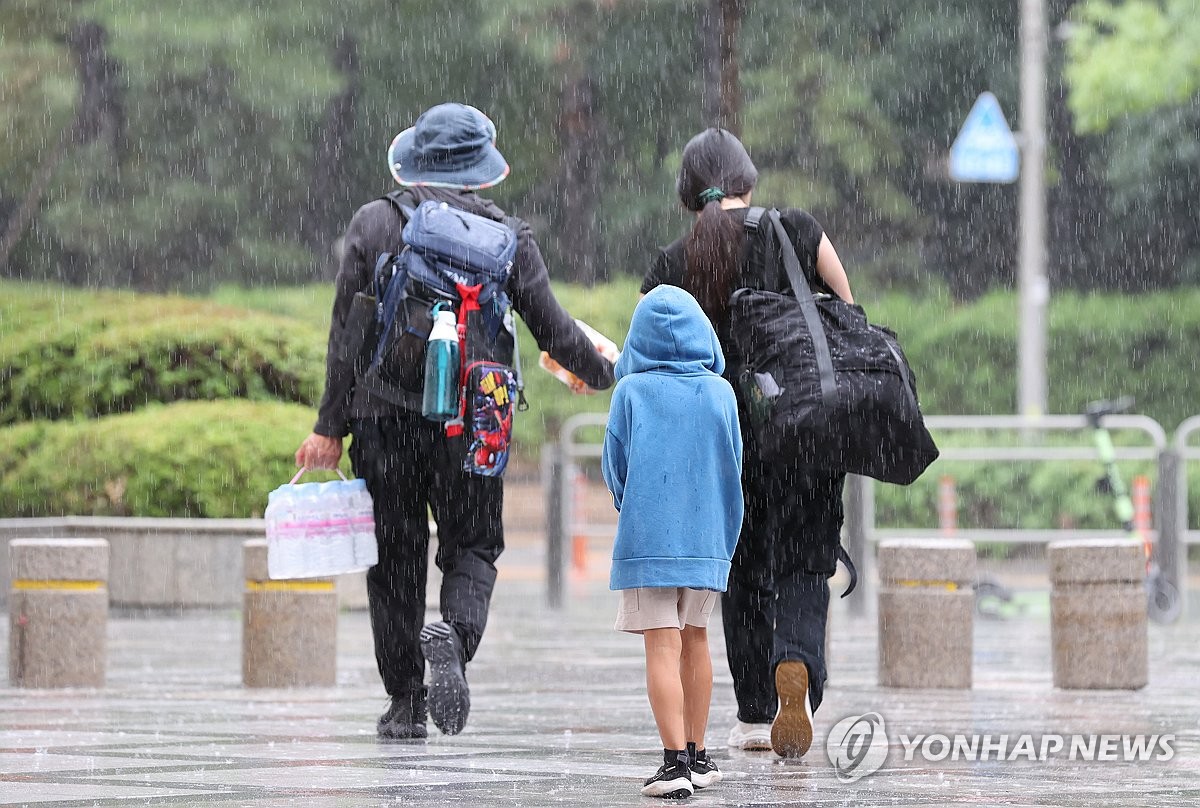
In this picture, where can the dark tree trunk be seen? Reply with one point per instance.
(329, 195)
(721, 22)
(577, 231)
(581, 138)
(731, 87)
(1077, 202)
(710, 59)
(100, 112)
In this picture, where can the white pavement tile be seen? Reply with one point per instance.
(324, 778)
(312, 751)
(33, 793)
(35, 739)
(12, 763)
(564, 766)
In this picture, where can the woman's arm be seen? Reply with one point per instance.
(830, 268)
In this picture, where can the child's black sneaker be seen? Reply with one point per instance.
(704, 771)
(673, 780)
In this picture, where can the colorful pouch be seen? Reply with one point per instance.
(489, 398)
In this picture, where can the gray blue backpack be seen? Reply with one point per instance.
(463, 259)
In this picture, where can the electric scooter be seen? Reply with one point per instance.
(1163, 604)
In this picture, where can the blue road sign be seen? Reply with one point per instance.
(985, 149)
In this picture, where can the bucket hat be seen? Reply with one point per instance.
(450, 146)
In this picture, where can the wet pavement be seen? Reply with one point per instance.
(560, 717)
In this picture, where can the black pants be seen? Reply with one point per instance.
(778, 598)
(412, 468)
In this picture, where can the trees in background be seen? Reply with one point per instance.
(1133, 75)
(166, 146)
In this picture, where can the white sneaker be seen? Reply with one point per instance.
(753, 737)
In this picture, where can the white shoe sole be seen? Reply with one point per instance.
(676, 789)
(705, 780)
(759, 741)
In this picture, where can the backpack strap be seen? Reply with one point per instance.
(753, 217)
(808, 308)
(389, 284)
(402, 202)
(515, 225)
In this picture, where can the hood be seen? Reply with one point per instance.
(670, 332)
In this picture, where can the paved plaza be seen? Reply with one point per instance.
(560, 717)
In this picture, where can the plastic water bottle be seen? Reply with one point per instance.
(440, 402)
(320, 529)
(332, 519)
(284, 544)
(362, 515)
(271, 517)
(312, 538)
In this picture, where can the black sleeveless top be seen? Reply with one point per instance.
(757, 271)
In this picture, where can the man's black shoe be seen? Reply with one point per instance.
(404, 719)
(449, 696)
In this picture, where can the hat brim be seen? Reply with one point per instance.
(489, 170)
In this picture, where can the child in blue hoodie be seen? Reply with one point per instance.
(673, 462)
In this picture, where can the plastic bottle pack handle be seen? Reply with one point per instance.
(304, 469)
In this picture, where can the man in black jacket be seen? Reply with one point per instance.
(409, 463)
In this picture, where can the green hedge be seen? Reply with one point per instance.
(1099, 346)
(221, 458)
(606, 308)
(188, 459)
(76, 355)
(1014, 495)
(72, 353)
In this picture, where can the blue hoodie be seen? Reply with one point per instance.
(673, 450)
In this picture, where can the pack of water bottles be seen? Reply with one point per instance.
(320, 529)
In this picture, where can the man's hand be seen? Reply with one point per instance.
(319, 452)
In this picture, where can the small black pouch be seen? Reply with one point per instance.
(403, 360)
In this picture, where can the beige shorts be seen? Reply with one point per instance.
(666, 607)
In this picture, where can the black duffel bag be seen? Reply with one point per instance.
(823, 386)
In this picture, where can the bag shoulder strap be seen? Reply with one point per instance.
(514, 224)
(753, 217)
(402, 201)
(808, 308)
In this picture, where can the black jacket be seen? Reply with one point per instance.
(374, 229)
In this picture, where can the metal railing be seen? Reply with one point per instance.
(1011, 423)
(1170, 506)
(558, 461)
(861, 530)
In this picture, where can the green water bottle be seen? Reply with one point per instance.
(440, 402)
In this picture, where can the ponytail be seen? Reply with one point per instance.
(714, 165)
(711, 253)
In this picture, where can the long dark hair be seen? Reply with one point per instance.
(715, 164)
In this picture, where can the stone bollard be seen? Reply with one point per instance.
(289, 629)
(926, 612)
(58, 612)
(1098, 614)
